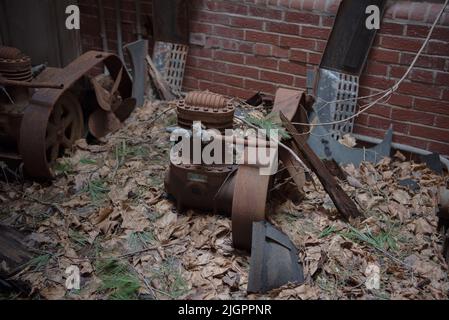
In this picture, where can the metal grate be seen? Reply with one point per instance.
(170, 60)
(348, 87)
(332, 88)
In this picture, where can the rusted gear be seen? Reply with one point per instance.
(248, 204)
(213, 110)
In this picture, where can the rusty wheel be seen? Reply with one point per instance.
(248, 204)
(46, 135)
(64, 127)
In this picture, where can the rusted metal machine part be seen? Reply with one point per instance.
(25, 84)
(213, 110)
(45, 126)
(249, 204)
(14, 65)
(105, 120)
(292, 103)
(201, 187)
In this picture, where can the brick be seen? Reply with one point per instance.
(190, 83)
(419, 89)
(276, 78)
(262, 62)
(226, 32)
(389, 28)
(239, 92)
(217, 88)
(413, 116)
(313, 58)
(375, 82)
(279, 52)
(262, 37)
(419, 11)
(442, 78)
(198, 39)
(292, 68)
(199, 74)
(371, 132)
(267, 13)
(424, 76)
(402, 44)
(302, 18)
(298, 55)
(243, 71)
(429, 133)
(383, 123)
(417, 31)
(228, 80)
(295, 42)
(436, 106)
(300, 82)
(197, 27)
(401, 100)
(424, 61)
(246, 23)
(228, 7)
(229, 56)
(410, 141)
(212, 65)
(381, 55)
(198, 51)
(314, 32)
(442, 122)
(282, 28)
(440, 48)
(262, 49)
(260, 86)
(441, 148)
(376, 68)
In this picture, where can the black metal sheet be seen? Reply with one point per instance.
(350, 41)
(171, 21)
(274, 259)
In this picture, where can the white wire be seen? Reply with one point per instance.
(386, 93)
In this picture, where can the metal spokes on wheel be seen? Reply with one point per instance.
(64, 127)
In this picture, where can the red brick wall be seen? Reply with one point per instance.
(242, 46)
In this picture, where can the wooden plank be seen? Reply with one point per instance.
(161, 85)
(344, 204)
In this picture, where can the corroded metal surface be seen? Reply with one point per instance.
(34, 128)
(248, 204)
(213, 110)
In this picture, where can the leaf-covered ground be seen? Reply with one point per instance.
(107, 213)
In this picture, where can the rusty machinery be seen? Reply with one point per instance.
(41, 117)
(237, 191)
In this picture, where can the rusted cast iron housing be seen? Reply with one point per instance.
(203, 187)
(36, 126)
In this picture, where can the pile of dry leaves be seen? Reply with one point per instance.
(107, 213)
